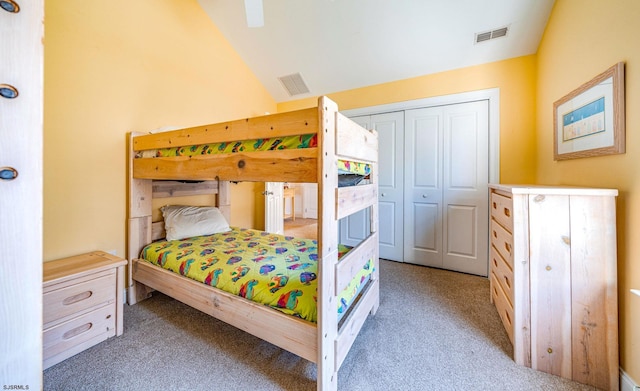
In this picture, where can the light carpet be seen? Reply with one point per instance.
(434, 330)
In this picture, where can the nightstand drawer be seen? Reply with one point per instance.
(503, 273)
(96, 325)
(502, 305)
(77, 296)
(502, 240)
(502, 210)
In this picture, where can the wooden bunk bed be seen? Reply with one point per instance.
(325, 342)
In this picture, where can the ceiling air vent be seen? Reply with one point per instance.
(487, 35)
(294, 84)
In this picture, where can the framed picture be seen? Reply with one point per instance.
(590, 121)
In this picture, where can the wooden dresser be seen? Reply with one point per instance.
(82, 303)
(553, 279)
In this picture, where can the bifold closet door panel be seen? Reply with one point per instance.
(465, 176)
(354, 229)
(423, 148)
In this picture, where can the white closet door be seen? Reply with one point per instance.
(446, 195)
(390, 127)
(423, 186)
(466, 194)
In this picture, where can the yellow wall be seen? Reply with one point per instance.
(516, 80)
(584, 38)
(116, 66)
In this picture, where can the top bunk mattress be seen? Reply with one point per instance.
(265, 144)
(275, 270)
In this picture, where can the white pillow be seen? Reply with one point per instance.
(187, 221)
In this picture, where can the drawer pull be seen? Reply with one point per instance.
(495, 234)
(10, 6)
(77, 331)
(495, 206)
(507, 212)
(507, 247)
(495, 262)
(506, 315)
(7, 91)
(76, 298)
(506, 281)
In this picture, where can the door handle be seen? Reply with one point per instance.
(383, 194)
(267, 193)
(425, 196)
(10, 6)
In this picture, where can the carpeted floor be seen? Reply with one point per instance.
(434, 330)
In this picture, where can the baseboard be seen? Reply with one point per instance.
(626, 383)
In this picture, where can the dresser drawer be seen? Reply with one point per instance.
(503, 273)
(76, 296)
(502, 210)
(502, 305)
(90, 328)
(502, 240)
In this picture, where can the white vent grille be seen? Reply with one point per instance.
(294, 84)
(493, 34)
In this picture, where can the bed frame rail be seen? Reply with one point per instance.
(352, 199)
(295, 335)
(299, 165)
(354, 261)
(276, 125)
(353, 142)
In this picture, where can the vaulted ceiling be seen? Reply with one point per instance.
(337, 45)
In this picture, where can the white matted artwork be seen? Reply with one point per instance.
(590, 120)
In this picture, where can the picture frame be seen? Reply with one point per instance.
(590, 121)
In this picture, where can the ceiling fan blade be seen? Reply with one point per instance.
(255, 13)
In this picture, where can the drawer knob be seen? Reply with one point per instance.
(8, 173)
(507, 212)
(7, 91)
(549, 350)
(10, 6)
(548, 268)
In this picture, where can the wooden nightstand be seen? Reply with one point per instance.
(82, 303)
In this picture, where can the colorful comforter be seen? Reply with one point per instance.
(275, 270)
(265, 144)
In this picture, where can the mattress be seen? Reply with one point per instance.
(265, 144)
(275, 270)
